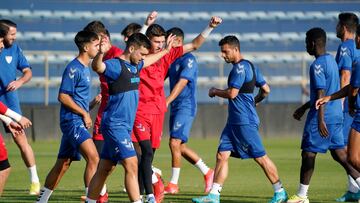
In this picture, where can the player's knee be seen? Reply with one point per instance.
(174, 144)
(131, 167)
(222, 157)
(308, 155)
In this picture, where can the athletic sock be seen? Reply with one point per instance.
(202, 167)
(303, 190)
(175, 175)
(34, 178)
(278, 186)
(44, 195)
(103, 190)
(216, 189)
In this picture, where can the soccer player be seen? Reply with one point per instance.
(75, 119)
(12, 59)
(150, 114)
(182, 101)
(323, 128)
(129, 30)
(122, 76)
(345, 31)
(240, 137)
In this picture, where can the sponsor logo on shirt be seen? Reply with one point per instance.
(318, 69)
(135, 80)
(8, 59)
(72, 73)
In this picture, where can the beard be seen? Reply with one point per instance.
(7, 43)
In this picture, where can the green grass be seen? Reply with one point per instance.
(246, 181)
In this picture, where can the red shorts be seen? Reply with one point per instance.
(148, 127)
(3, 151)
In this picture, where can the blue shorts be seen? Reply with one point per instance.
(73, 135)
(180, 126)
(117, 144)
(347, 126)
(313, 142)
(242, 140)
(356, 126)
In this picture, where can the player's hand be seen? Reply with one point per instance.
(105, 44)
(322, 101)
(97, 99)
(15, 129)
(25, 122)
(212, 92)
(14, 85)
(169, 42)
(215, 21)
(323, 129)
(299, 113)
(87, 120)
(151, 18)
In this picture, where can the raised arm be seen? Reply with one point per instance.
(151, 18)
(152, 58)
(97, 64)
(200, 39)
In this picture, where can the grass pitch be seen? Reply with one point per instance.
(246, 182)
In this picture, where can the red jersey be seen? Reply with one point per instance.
(3, 151)
(112, 53)
(3, 108)
(151, 88)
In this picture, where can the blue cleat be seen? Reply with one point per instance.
(279, 197)
(349, 197)
(210, 198)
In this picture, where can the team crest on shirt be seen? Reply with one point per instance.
(240, 69)
(318, 69)
(343, 51)
(8, 59)
(190, 63)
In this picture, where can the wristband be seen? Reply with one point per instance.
(6, 120)
(206, 32)
(12, 114)
(143, 29)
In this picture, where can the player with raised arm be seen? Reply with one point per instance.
(147, 131)
(11, 60)
(240, 137)
(323, 128)
(74, 96)
(182, 102)
(122, 76)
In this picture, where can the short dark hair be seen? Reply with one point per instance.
(3, 30)
(155, 30)
(317, 35)
(138, 40)
(175, 31)
(95, 26)
(84, 37)
(7, 23)
(230, 40)
(349, 20)
(131, 29)
(358, 30)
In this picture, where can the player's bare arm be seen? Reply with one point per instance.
(352, 99)
(97, 64)
(337, 95)
(299, 112)
(151, 18)
(200, 39)
(69, 103)
(16, 84)
(152, 58)
(321, 118)
(264, 91)
(229, 93)
(176, 90)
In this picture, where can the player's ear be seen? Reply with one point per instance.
(131, 49)
(86, 47)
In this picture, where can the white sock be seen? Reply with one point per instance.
(353, 185)
(149, 195)
(175, 175)
(88, 200)
(154, 179)
(278, 186)
(303, 190)
(216, 189)
(103, 190)
(357, 185)
(34, 178)
(44, 195)
(138, 201)
(86, 191)
(202, 167)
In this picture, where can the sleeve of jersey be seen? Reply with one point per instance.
(260, 81)
(22, 62)
(345, 61)
(355, 75)
(69, 80)
(3, 108)
(112, 70)
(317, 72)
(237, 76)
(190, 67)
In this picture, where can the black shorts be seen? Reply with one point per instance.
(4, 164)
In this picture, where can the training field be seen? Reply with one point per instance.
(246, 181)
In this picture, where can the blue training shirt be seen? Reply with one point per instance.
(121, 108)
(355, 82)
(241, 110)
(11, 59)
(346, 53)
(185, 67)
(76, 83)
(324, 75)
